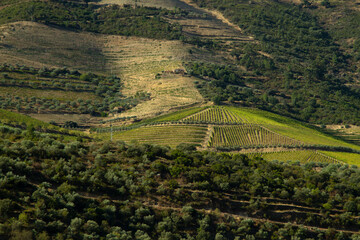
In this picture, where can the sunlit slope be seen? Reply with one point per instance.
(23, 122)
(349, 158)
(139, 60)
(17, 119)
(246, 127)
(301, 156)
(289, 127)
(164, 135)
(248, 136)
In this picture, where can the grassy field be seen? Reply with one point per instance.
(19, 119)
(301, 156)
(22, 121)
(349, 158)
(289, 127)
(163, 135)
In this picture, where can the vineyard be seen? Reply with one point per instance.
(301, 156)
(163, 135)
(349, 158)
(247, 135)
(232, 129)
(215, 115)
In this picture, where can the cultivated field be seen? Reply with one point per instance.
(249, 128)
(176, 116)
(215, 115)
(290, 128)
(163, 135)
(247, 135)
(349, 158)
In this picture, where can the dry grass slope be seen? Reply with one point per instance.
(138, 60)
(37, 45)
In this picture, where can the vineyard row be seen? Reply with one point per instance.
(247, 135)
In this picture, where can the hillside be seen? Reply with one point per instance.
(179, 119)
(60, 188)
(233, 129)
(233, 53)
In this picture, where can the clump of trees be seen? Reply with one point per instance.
(297, 69)
(51, 188)
(126, 20)
(106, 90)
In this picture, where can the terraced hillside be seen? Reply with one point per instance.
(136, 60)
(46, 93)
(139, 60)
(242, 130)
(162, 135)
(215, 115)
(175, 146)
(247, 135)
